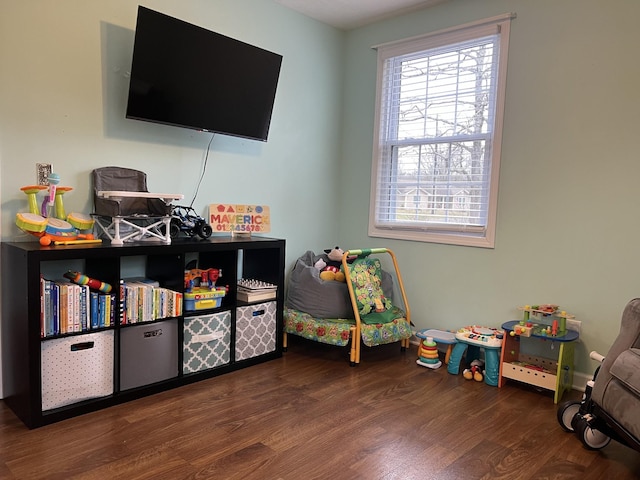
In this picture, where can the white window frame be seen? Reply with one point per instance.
(381, 224)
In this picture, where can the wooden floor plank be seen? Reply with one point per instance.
(310, 415)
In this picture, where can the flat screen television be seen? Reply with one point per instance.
(187, 76)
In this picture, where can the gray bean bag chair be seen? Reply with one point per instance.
(322, 299)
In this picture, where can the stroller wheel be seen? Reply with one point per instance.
(565, 414)
(591, 438)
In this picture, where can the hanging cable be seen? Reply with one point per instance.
(204, 169)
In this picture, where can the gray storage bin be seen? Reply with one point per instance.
(148, 353)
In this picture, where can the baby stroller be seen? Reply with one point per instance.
(610, 407)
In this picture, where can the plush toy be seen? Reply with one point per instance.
(475, 371)
(331, 269)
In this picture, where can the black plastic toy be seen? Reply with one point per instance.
(187, 221)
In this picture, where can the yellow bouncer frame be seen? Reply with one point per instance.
(356, 338)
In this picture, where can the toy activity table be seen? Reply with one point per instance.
(469, 342)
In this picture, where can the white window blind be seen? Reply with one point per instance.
(436, 150)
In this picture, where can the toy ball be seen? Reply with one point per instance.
(54, 178)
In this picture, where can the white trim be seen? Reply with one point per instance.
(432, 237)
(483, 237)
(477, 23)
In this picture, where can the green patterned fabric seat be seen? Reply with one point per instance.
(337, 331)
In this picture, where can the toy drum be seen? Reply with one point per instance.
(30, 222)
(80, 221)
(60, 228)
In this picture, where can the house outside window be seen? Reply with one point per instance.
(440, 99)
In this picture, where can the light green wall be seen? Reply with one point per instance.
(64, 81)
(568, 205)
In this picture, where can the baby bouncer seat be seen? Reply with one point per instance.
(610, 407)
(373, 319)
(125, 210)
(371, 307)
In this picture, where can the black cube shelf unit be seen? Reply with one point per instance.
(236, 334)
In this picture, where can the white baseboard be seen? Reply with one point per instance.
(580, 380)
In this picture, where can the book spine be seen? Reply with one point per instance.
(55, 308)
(131, 301)
(155, 304)
(76, 308)
(107, 310)
(133, 307)
(112, 309)
(64, 308)
(140, 292)
(163, 302)
(68, 307)
(149, 297)
(102, 310)
(95, 310)
(67, 304)
(179, 304)
(48, 314)
(84, 308)
(171, 304)
(42, 329)
(123, 302)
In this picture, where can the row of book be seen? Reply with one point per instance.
(66, 307)
(143, 300)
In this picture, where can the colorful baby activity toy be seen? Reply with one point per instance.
(50, 223)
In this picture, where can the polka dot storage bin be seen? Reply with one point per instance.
(76, 368)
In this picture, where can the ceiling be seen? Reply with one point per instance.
(348, 14)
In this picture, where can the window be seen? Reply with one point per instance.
(437, 145)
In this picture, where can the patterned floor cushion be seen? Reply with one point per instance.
(336, 331)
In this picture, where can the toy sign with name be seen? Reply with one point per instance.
(239, 218)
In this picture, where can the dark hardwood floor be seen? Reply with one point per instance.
(310, 416)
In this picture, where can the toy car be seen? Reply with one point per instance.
(186, 220)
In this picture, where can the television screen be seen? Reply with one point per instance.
(188, 76)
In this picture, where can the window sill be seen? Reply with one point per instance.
(466, 240)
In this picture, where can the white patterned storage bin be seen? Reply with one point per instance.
(255, 330)
(76, 368)
(207, 342)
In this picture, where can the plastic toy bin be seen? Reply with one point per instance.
(207, 342)
(76, 368)
(203, 298)
(255, 330)
(148, 353)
